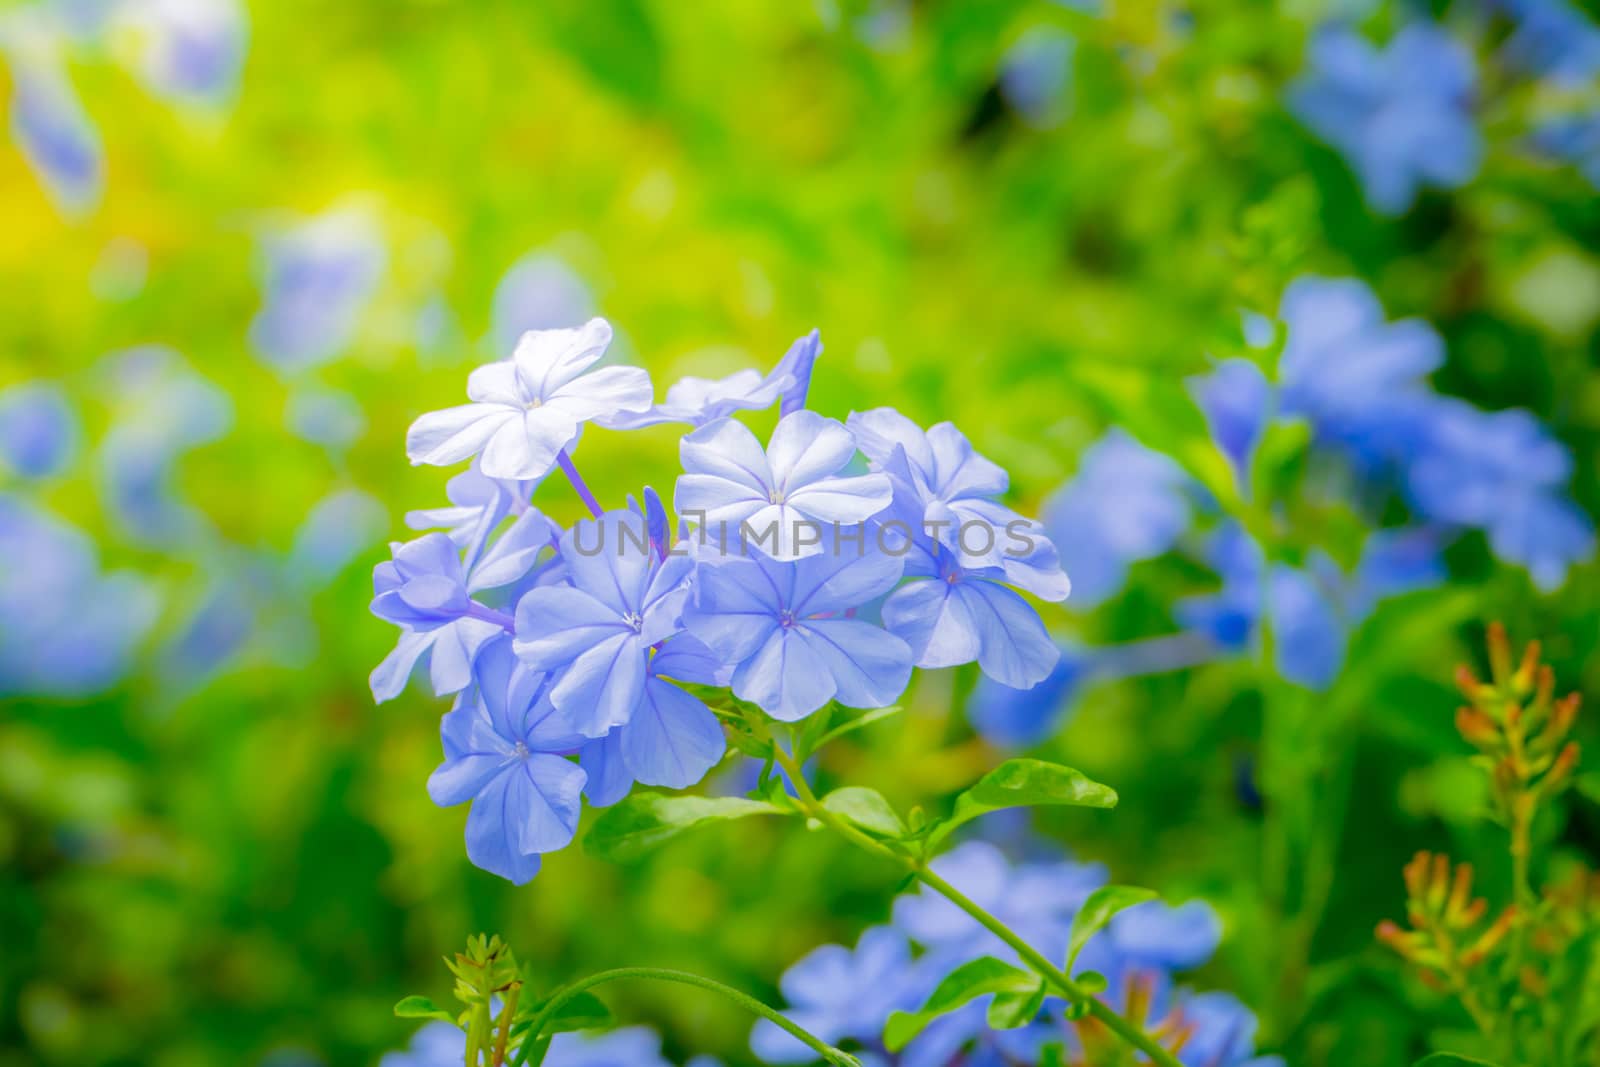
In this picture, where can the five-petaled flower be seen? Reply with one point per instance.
(528, 409)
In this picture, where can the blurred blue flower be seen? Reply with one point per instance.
(1017, 718)
(528, 409)
(318, 278)
(505, 750)
(1574, 139)
(190, 51)
(325, 417)
(1126, 504)
(66, 628)
(672, 739)
(1237, 402)
(38, 429)
(1222, 1032)
(596, 631)
(841, 994)
(787, 631)
(442, 1044)
(538, 292)
(51, 126)
(1504, 473)
(1553, 38)
(1036, 73)
(1156, 934)
(1357, 378)
(1401, 117)
(337, 530)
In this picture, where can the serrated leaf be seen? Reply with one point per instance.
(645, 821)
(865, 808)
(421, 1008)
(1009, 1011)
(1102, 904)
(1019, 783)
(973, 979)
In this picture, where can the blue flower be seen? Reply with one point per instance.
(596, 631)
(38, 429)
(1222, 1032)
(325, 417)
(794, 369)
(1016, 718)
(944, 488)
(842, 994)
(1126, 504)
(1237, 402)
(787, 630)
(505, 750)
(1361, 381)
(701, 400)
(1504, 473)
(528, 409)
(1401, 117)
(192, 50)
(335, 532)
(1553, 38)
(318, 279)
(539, 292)
(1156, 934)
(1575, 139)
(478, 504)
(781, 497)
(442, 1044)
(53, 131)
(66, 628)
(426, 591)
(1036, 73)
(672, 739)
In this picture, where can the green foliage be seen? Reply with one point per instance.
(1098, 910)
(967, 982)
(1021, 783)
(645, 821)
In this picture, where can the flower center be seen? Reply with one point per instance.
(635, 620)
(522, 751)
(786, 619)
(776, 496)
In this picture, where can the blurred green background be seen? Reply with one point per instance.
(248, 865)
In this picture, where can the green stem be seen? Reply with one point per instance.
(1130, 1032)
(658, 974)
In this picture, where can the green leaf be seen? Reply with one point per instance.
(1009, 1011)
(1451, 1059)
(1019, 783)
(421, 1008)
(583, 1011)
(850, 726)
(971, 980)
(647, 820)
(1102, 904)
(865, 808)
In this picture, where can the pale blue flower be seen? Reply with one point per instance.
(39, 429)
(672, 739)
(539, 292)
(1237, 402)
(1016, 718)
(947, 490)
(842, 994)
(527, 409)
(428, 593)
(442, 1044)
(1402, 117)
(595, 632)
(325, 417)
(1504, 473)
(337, 530)
(698, 401)
(787, 630)
(52, 128)
(1126, 504)
(783, 496)
(1156, 934)
(190, 51)
(1222, 1032)
(1360, 380)
(1575, 139)
(478, 504)
(1555, 39)
(505, 750)
(1036, 74)
(318, 278)
(67, 629)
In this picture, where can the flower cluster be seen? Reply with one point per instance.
(1381, 436)
(850, 995)
(819, 567)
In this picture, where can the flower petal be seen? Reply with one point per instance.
(443, 437)
(672, 739)
(870, 667)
